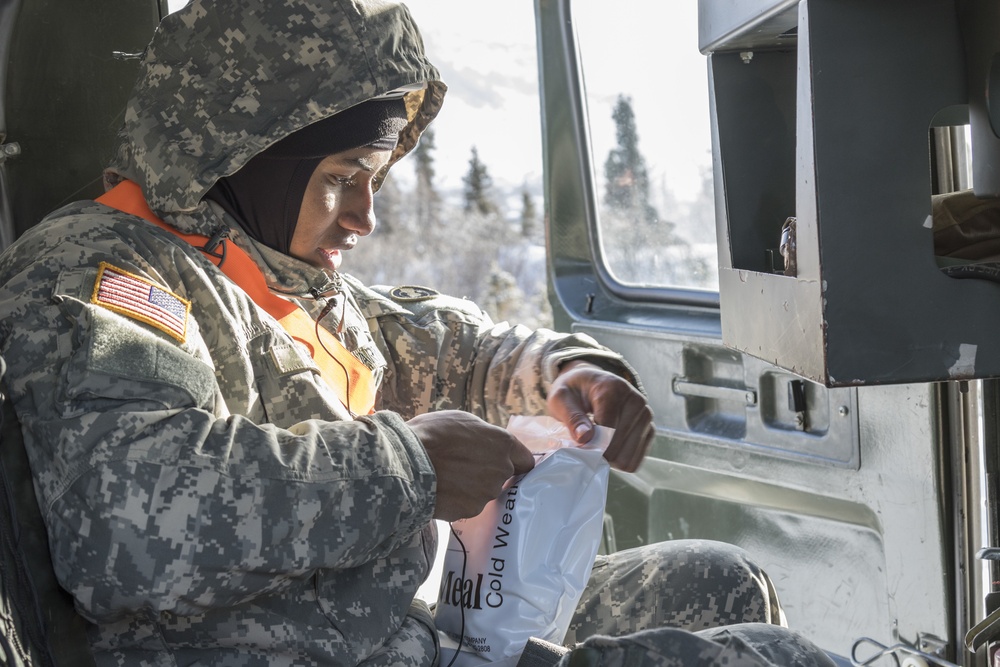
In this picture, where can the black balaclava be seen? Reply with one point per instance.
(265, 195)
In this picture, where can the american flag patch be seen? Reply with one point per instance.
(140, 299)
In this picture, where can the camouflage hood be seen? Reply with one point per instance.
(222, 81)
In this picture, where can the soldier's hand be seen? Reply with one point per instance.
(472, 459)
(583, 389)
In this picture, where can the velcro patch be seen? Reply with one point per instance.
(141, 299)
(412, 293)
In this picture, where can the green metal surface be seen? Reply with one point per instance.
(850, 505)
(65, 95)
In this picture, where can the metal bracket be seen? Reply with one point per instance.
(902, 654)
(931, 645)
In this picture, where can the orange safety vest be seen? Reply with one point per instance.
(346, 374)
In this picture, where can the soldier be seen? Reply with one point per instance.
(238, 449)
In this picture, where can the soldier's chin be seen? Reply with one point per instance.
(330, 259)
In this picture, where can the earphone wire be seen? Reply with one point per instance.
(347, 375)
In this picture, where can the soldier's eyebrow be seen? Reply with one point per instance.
(365, 163)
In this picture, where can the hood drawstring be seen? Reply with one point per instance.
(328, 306)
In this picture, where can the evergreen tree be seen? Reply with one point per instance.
(389, 213)
(626, 176)
(641, 246)
(702, 210)
(426, 198)
(529, 217)
(503, 299)
(478, 187)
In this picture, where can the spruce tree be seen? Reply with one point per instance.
(387, 204)
(626, 175)
(426, 198)
(478, 187)
(529, 217)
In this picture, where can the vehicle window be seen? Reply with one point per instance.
(651, 142)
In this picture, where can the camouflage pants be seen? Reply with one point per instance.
(684, 603)
(688, 584)
(741, 645)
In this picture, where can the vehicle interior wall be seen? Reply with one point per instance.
(858, 499)
(67, 75)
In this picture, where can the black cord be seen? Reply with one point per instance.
(347, 374)
(461, 605)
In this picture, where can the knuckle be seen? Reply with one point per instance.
(559, 392)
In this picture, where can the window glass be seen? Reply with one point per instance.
(647, 96)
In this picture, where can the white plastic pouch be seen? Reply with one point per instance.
(527, 556)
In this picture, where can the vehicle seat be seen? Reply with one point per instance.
(38, 623)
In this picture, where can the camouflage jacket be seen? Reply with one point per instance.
(207, 497)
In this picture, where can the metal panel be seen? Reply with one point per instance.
(867, 303)
(8, 15)
(705, 393)
(754, 124)
(981, 29)
(844, 502)
(853, 552)
(745, 24)
(65, 97)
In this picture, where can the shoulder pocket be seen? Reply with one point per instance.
(118, 359)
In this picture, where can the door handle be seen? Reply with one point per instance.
(684, 387)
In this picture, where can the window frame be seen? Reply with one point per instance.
(577, 265)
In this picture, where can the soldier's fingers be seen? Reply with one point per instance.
(632, 436)
(571, 408)
(521, 458)
(640, 451)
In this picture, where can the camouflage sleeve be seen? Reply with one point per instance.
(155, 498)
(446, 353)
